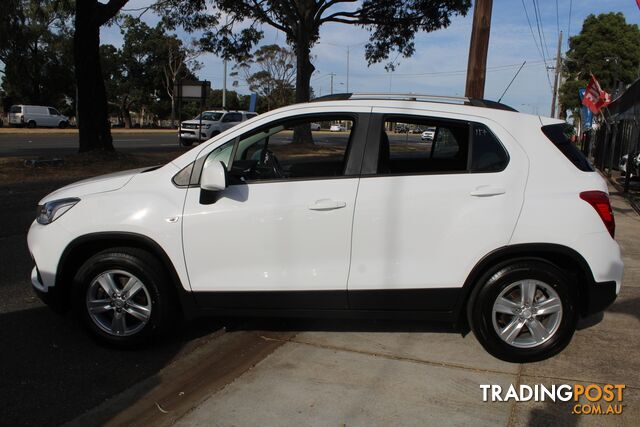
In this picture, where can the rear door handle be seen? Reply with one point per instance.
(487, 191)
(326, 205)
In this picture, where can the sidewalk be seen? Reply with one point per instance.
(375, 378)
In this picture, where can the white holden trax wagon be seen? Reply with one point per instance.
(497, 223)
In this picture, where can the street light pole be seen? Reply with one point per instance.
(331, 75)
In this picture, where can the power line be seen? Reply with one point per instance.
(535, 41)
(557, 18)
(543, 38)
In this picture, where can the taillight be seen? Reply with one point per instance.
(600, 202)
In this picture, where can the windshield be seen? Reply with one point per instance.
(213, 117)
(15, 109)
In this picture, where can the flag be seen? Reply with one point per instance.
(594, 97)
(585, 113)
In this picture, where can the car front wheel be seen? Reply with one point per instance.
(122, 297)
(524, 311)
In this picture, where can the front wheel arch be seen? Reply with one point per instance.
(84, 247)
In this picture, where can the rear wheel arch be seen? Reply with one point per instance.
(82, 248)
(566, 259)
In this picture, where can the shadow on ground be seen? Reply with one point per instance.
(52, 371)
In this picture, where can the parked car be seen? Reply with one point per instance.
(337, 128)
(428, 134)
(511, 233)
(36, 116)
(211, 124)
(633, 167)
(315, 126)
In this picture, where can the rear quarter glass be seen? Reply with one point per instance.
(558, 134)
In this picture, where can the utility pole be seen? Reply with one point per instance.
(556, 79)
(477, 65)
(332, 74)
(347, 69)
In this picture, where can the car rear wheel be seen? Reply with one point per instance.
(523, 311)
(122, 297)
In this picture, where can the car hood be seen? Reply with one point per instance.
(98, 184)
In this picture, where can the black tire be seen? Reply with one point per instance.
(63, 125)
(494, 282)
(31, 124)
(149, 271)
(186, 142)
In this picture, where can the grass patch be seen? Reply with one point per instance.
(79, 166)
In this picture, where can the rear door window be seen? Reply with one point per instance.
(405, 151)
(560, 135)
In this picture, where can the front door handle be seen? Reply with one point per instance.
(326, 205)
(487, 191)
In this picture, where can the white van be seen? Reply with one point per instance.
(34, 115)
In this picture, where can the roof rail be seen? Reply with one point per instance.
(485, 103)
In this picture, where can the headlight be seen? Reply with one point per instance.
(54, 209)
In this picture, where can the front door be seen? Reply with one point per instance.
(431, 208)
(279, 236)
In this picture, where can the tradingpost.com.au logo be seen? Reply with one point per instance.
(590, 399)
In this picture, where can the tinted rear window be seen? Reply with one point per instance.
(560, 136)
(16, 109)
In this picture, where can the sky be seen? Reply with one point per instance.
(438, 66)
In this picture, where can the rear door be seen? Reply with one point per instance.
(428, 210)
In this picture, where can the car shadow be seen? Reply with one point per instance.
(51, 371)
(335, 325)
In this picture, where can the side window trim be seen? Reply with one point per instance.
(354, 153)
(376, 126)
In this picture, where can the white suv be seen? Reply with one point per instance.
(210, 124)
(499, 224)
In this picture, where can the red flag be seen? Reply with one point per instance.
(594, 97)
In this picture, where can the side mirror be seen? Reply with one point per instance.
(214, 177)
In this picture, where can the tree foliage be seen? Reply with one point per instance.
(606, 47)
(141, 74)
(36, 51)
(271, 73)
(392, 25)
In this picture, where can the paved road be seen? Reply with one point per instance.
(58, 144)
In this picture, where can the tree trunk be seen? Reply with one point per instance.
(173, 110)
(93, 124)
(304, 70)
